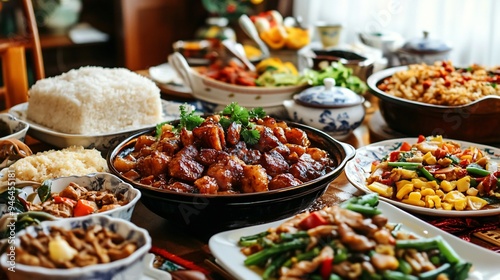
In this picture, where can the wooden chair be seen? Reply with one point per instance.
(14, 64)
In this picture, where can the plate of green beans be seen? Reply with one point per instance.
(362, 238)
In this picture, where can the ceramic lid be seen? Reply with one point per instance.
(426, 45)
(328, 96)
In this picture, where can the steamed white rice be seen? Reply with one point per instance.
(95, 100)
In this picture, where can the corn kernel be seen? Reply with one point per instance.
(381, 189)
(414, 198)
(404, 173)
(453, 196)
(463, 184)
(472, 191)
(429, 158)
(432, 184)
(447, 206)
(440, 193)
(401, 183)
(446, 186)
(406, 189)
(433, 201)
(460, 204)
(427, 191)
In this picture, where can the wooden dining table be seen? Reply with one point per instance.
(190, 246)
(194, 249)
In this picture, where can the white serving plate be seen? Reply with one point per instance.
(224, 246)
(358, 169)
(102, 142)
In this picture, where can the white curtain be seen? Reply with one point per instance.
(471, 27)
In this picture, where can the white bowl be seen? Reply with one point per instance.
(16, 128)
(216, 94)
(130, 267)
(96, 181)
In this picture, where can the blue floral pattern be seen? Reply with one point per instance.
(127, 268)
(358, 169)
(96, 181)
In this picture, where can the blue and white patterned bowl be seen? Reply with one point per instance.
(95, 181)
(130, 267)
(334, 110)
(17, 128)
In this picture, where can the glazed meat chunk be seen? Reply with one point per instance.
(267, 140)
(274, 163)
(210, 136)
(154, 164)
(233, 133)
(306, 168)
(283, 181)
(227, 172)
(249, 156)
(206, 185)
(183, 165)
(297, 136)
(254, 179)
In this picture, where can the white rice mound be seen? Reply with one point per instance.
(74, 160)
(94, 100)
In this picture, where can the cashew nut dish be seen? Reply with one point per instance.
(62, 248)
(439, 174)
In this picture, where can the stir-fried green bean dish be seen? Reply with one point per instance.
(352, 240)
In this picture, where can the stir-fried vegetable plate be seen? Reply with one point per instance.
(430, 175)
(329, 255)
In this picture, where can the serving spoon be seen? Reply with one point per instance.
(232, 47)
(248, 27)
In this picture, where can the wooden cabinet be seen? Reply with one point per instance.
(149, 27)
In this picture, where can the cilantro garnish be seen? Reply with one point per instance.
(188, 119)
(241, 115)
(250, 136)
(159, 128)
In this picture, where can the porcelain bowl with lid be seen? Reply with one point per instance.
(334, 110)
(423, 50)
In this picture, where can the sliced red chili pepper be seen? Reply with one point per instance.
(312, 220)
(420, 139)
(394, 156)
(427, 84)
(440, 153)
(83, 208)
(490, 183)
(325, 268)
(387, 181)
(61, 199)
(405, 147)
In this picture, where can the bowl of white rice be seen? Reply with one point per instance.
(93, 107)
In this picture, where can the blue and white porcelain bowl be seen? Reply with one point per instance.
(130, 267)
(12, 127)
(95, 181)
(334, 110)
